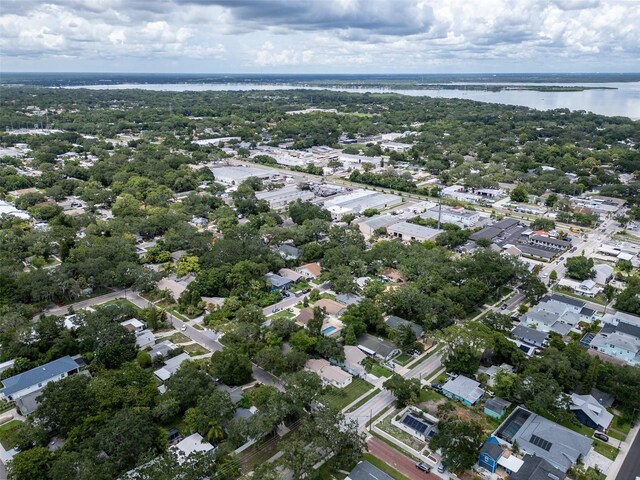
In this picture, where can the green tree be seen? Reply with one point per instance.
(580, 268)
(231, 367)
(519, 194)
(33, 464)
(407, 391)
(460, 441)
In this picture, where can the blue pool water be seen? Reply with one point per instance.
(329, 330)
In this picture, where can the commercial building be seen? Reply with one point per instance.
(282, 197)
(236, 175)
(457, 215)
(369, 225)
(358, 201)
(358, 161)
(409, 232)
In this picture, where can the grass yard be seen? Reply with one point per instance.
(339, 398)
(122, 302)
(197, 327)
(400, 435)
(384, 467)
(281, 314)
(430, 395)
(403, 359)
(328, 296)
(605, 449)
(376, 369)
(195, 349)
(8, 434)
(616, 434)
(178, 338)
(620, 425)
(178, 315)
(364, 400)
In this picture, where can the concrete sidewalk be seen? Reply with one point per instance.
(625, 447)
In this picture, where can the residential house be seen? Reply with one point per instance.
(329, 374)
(331, 307)
(366, 471)
(621, 341)
(25, 388)
(289, 252)
(310, 270)
(304, 316)
(194, 443)
(133, 325)
(463, 389)
(17, 386)
(557, 313)
(145, 338)
(537, 468)
(277, 282)
(377, 347)
(590, 412)
(395, 323)
(417, 423)
(174, 287)
(538, 436)
(289, 274)
(530, 336)
(496, 459)
(347, 299)
(496, 407)
(171, 366)
(162, 349)
(492, 371)
(353, 358)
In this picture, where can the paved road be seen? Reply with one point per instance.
(397, 460)
(630, 469)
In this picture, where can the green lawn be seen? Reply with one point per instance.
(281, 314)
(616, 434)
(339, 398)
(179, 315)
(8, 434)
(605, 449)
(384, 467)
(364, 400)
(328, 296)
(376, 369)
(620, 424)
(121, 302)
(403, 359)
(430, 395)
(194, 349)
(177, 338)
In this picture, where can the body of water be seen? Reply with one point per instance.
(619, 99)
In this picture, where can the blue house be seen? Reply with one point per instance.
(490, 453)
(278, 282)
(463, 389)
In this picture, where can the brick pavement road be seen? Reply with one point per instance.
(397, 460)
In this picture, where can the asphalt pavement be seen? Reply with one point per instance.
(630, 469)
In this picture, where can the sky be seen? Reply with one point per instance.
(320, 36)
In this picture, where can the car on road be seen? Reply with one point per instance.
(184, 328)
(601, 436)
(423, 466)
(504, 306)
(275, 309)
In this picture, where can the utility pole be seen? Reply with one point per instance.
(439, 210)
(370, 418)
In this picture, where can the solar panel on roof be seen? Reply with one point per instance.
(540, 442)
(415, 423)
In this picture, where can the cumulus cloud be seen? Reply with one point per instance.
(325, 35)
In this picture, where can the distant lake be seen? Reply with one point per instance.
(619, 99)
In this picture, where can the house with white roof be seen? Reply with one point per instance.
(329, 374)
(171, 366)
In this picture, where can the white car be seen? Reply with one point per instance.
(183, 328)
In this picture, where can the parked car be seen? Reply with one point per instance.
(504, 306)
(441, 468)
(436, 386)
(601, 436)
(423, 466)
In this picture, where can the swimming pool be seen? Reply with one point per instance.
(329, 330)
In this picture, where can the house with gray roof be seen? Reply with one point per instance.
(538, 436)
(411, 232)
(377, 347)
(537, 468)
(464, 389)
(590, 412)
(37, 378)
(395, 323)
(621, 341)
(278, 282)
(366, 471)
(530, 336)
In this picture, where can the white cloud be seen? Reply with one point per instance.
(331, 35)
